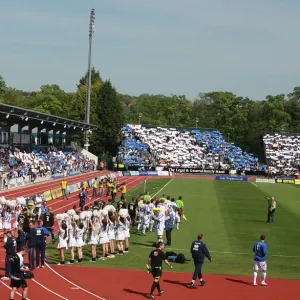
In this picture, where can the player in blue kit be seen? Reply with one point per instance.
(260, 263)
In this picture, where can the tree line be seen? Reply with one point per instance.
(241, 120)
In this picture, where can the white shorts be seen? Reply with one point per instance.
(79, 243)
(120, 237)
(62, 244)
(72, 242)
(127, 233)
(93, 242)
(104, 240)
(111, 236)
(260, 265)
(159, 231)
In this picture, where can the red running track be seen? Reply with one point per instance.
(48, 284)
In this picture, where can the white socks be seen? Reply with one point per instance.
(264, 275)
(255, 277)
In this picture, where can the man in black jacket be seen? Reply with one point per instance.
(10, 246)
(199, 251)
(17, 274)
(48, 222)
(31, 244)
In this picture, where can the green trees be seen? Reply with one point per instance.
(241, 120)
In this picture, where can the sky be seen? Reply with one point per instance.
(250, 48)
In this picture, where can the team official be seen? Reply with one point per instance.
(64, 185)
(48, 222)
(41, 234)
(271, 209)
(156, 258)
(10, 247)
(199, 251)
(31, 244)
(260, 263)
(17, 275)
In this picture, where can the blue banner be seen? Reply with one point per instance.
(57, 176)
(232, 178)
(74, 173)
(126, 173)
(149, 173)
(134, 173)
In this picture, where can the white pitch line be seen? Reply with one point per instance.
(49, 289)
(163, 187)
(75, 285)
(10, 289)
(225, 252)
(254, 184)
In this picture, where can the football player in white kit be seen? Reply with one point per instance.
(151, 222)
(159, 218)
(144, 213)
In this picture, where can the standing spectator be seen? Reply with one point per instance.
(17, 278)
(82, 197)
(64, 185)
(169, 221)
(43, 210)
(114, 192)
(31, 244)
(10, 246)
(101, 189)
(199, 251)
(271, 209)
(41, 234)
(48, 222)
(95, 186)
(20, 237)
(124, 191)
(132, 206)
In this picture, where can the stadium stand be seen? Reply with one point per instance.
(17, 164)
(282, 153)
(182, 148)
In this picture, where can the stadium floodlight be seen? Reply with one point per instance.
(74, 127)
(65, 126)
(26, 119)
(54, 124)
(42, 122)
(140, 116)
(88, 100)
(7, 116)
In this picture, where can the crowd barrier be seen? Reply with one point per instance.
(25, 180)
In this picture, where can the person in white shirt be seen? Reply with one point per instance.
(103, 237)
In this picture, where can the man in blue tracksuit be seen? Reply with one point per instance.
(82, 196)
(41, 234)
(10, 247)
(260, 249)
(199, 251)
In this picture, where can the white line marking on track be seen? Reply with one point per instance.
(254, 184)
(163, 187)
(75, 288)
(74, 283)
(10, 289)
(48, 289)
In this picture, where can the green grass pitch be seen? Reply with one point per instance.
(232, 216)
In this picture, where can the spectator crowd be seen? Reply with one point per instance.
(169, 147)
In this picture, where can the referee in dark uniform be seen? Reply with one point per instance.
(199, 251)
(155, 261)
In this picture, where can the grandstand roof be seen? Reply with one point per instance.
(16, 115)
